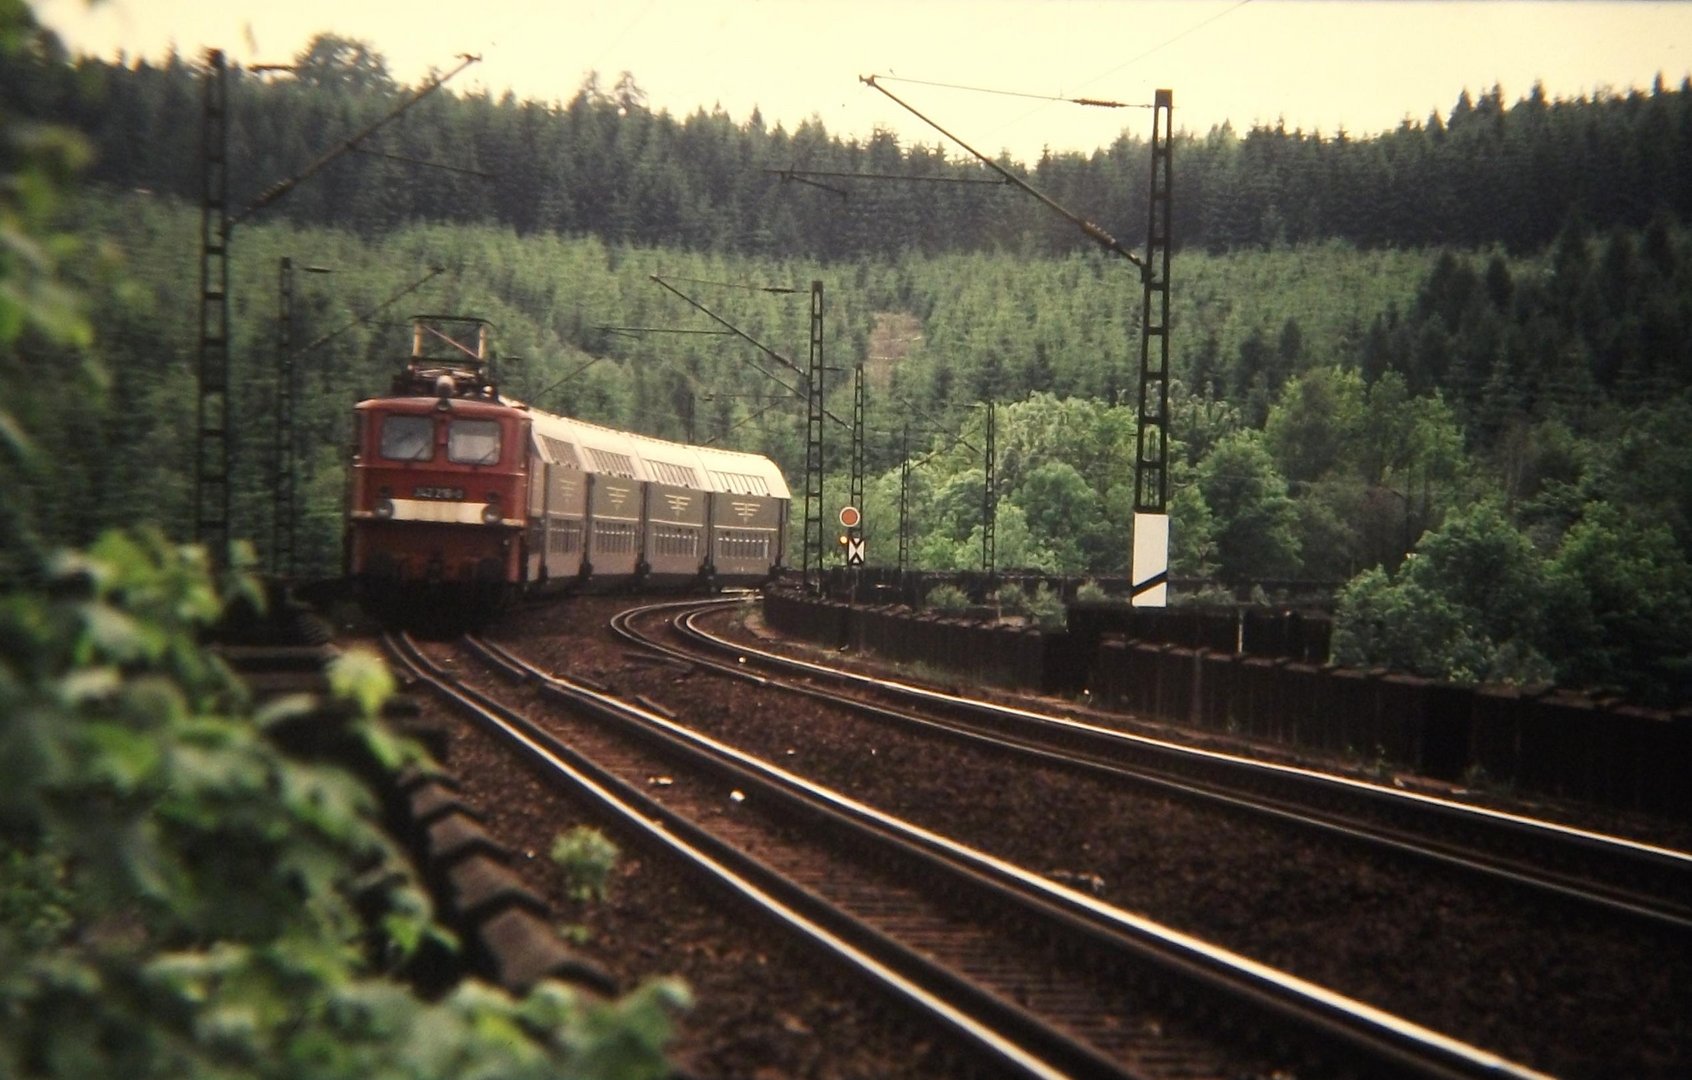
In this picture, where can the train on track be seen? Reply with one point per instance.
(462, 499)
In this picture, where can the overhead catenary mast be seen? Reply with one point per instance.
(815, 413)
(1149, 570)
(1149, 566)
(214, 446)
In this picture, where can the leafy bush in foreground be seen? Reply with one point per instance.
(183, 900)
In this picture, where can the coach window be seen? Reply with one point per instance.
(473, 442)
(408, 438)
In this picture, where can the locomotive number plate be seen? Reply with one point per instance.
(444, 493)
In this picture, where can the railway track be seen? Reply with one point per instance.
(1040, 979)
(1614, 877)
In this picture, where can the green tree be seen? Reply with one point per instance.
(1061, 508)
(1488, 568)
(1467, 606)
(1015, 545)
(330, 61)
(1400, 623)
(1622, 607)
(1254, 522)
(1644, 460)
(39, 311)
(1317, 426)
(1330, 540)
(1192, 541)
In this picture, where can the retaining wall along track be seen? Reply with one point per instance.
(1189, 668)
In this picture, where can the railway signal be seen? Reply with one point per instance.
(852, 541)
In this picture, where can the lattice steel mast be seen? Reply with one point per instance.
(1150, 567)
(856, 496)
(213, 452)
(814, 445)
(282, 484)
(905, 502)
(990, 502)
(211, 448)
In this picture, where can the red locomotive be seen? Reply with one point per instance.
(462, 498)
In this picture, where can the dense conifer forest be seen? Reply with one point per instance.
(1488, 173)
(1444, 372)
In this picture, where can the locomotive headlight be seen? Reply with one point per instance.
(384, 509)
(491, 514)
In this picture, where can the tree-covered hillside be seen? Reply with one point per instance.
(1489, 172)
(1469, 341)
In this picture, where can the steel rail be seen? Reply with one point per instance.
(1639, 881)
(1002, 1037)
(1346, 1030)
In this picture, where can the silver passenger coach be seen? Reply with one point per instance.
(608, 507)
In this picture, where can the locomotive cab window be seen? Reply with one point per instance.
(408, 438)
(473, 442)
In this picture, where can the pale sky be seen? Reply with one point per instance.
(1314, 64)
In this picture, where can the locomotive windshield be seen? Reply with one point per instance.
(408, 438)
(473, 442)
(412, 438)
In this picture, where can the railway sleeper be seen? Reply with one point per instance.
(479, 888)
(431, 801)
(458, 835)
(519, 948)
(506, 928)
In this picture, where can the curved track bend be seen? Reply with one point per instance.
(1041, 979)
(1616, 877)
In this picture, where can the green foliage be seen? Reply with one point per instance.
(1062, 508)
(1254, 519)
(39, 160)
(1645, 462)
(1469, 605)
(1316, 428)
(1611, 608)
(604, 163)
(177, 897)
(183, 900)
(35, 901)
(1192, 527)
(332, 62)
(1541, 357)
(1488, 568)
(362, 678)
(1013, 599)
(1333, 516)
(1211, 595)
(587, 857)
(1044, 608)
(38, 309)
(1404, 625)
(1014, 543)
(1089, 592)
(1622, 606)
(947, 599)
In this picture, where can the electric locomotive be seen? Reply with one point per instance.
(462, 498)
